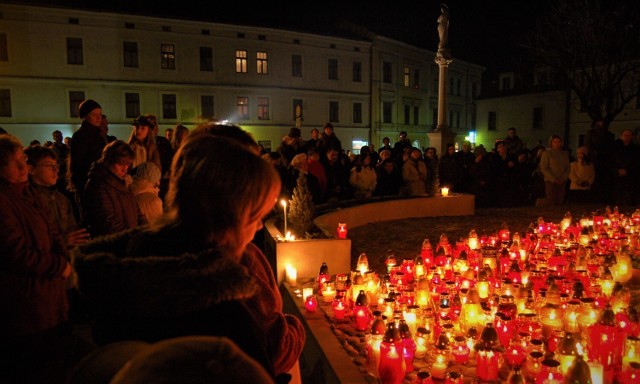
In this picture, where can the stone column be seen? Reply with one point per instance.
(442, 134)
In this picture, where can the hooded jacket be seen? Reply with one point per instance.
(109, 206)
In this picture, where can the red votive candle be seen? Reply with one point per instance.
(311, 304)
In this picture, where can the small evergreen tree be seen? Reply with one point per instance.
(301, 208)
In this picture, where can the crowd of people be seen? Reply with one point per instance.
(506, 175)
(149, 240)
(141, 265)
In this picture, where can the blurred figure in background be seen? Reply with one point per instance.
(33, 288)
(582, 175)
(145, 187)
(555, 168)
(86, 148)
(109, 205)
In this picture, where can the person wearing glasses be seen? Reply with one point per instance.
(35, 266)
(43, 176)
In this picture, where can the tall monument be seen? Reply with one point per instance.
(442, 134)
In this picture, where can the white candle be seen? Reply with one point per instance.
(284, 205)
(306, 292)
(292, 275)
(597, 372)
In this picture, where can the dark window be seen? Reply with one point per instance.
(132, 105)
(74, 51)
(206, 59)
(75, 98)
(407, 114)
(4, 49)
(416, 79)
(387, 112)
(5, 103)
(296, 65)
(492, 123)
(334, 112)
(416, 115)
(169, 107)
(333, 69)
(357, 113)
(207, 106)
(538, 114)
(130, 53)
(357, 71)
(387, 76)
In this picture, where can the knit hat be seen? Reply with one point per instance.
(148, 171)
(294, 132)
(86, 107)
(143, 120)
(184, 360)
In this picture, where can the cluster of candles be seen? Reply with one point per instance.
(547, 306)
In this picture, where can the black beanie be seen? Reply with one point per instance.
(86, 107)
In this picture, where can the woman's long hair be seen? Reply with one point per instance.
(216, 185)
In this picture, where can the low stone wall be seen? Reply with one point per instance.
(308, 255)
(388, 210)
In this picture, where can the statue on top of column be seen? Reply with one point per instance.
(443, 27)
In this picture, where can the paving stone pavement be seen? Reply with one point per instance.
(405, 237)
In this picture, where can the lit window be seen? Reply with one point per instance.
(167, 56)
(241, 61)
(263, 108)
(262, 63)
(243, 108)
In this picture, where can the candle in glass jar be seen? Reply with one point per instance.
(444, 191)
(328, 292)
(306, 292)
(362, 317)
(311, 304)
(439, 367)
(342, 230)
(338, 310)
(460, 350)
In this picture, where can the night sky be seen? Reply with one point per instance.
(486, 32)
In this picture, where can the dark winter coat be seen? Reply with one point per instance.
(33, 258)
(86, 148)
(109, 206)
(150, 286)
